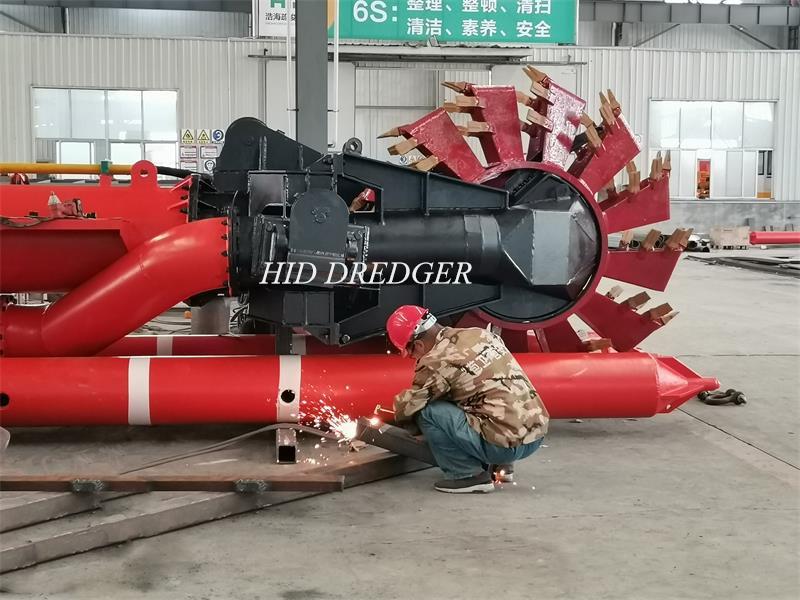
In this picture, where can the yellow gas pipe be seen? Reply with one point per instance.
(65, 169)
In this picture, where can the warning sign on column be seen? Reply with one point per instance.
(203, 136)
(187, 136)
(208, 165)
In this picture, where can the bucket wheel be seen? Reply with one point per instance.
(567, 171)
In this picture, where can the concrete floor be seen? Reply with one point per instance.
(701, 503)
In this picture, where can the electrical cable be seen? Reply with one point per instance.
(225, 443)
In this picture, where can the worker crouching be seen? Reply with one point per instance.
(476, 407)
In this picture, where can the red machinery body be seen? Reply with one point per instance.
(774, 238)
(128, 252)
(171, 391)
(61, 253)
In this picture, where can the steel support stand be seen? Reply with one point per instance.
(213, 317)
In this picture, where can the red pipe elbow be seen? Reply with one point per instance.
(176, 264)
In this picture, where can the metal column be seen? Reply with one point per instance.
(312, 74)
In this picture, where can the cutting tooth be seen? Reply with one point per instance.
(593, 137)
(656, 167)
(634, 177)
(597, 344)
(467, 101)
(611, 190)
(535, 74)
(528, 128)
(678, 239)
(403, 147)
(658, 312)
(612, 100)
(426, 164)
(667, 164)
(674, 240)
(606, 112)
(638, 300)
(540, 91)
(462, 103)
(456, 86)
(667, 318)
(393, 132)
(650, 239)
(537, 119)
(538, 81)
(614, 292)
(475, 128)
(586, 120)
(452, 107)
(523, 98)
(626, 239)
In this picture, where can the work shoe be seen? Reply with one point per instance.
(503, 473)
(482, 482)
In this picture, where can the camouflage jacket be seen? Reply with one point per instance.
(473, 368)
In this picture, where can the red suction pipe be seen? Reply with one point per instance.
(231, 345)
(155, 275)
(166, 391)
(774, 238)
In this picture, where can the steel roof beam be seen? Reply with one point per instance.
(718, 14)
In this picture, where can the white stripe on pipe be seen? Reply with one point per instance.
(164, 345)
(298, 343)
(139, 390)
(288, 398)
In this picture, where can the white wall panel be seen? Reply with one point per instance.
(218, 82)
(278, 117)
(143, 22)
(396, 86)
(699, 37)
(594, 33)
(42, 18)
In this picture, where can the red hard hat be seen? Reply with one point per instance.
(402, 325)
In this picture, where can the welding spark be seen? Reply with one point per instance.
(316, 410)
(345, 428)
(374, 421)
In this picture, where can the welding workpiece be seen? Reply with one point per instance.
(395, 439)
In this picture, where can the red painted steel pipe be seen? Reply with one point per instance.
(162, 391)
(57, 256)
(774, 238)
(179, 263)
(232, 345)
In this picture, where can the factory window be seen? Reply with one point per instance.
(719, 149)
(87, 126)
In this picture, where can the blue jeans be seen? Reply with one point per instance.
(459, 450)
